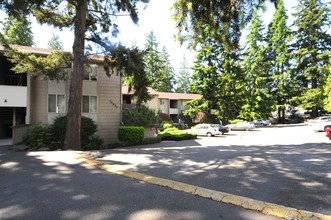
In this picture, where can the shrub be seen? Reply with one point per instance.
(37, 137)
(88, 129)
(234, 121)
(165, 124)
(176, 135)
(131, 134)
(53, 136)
(140, 116)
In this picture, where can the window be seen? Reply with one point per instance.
(56, 103)
(89, 104)
(91, 72)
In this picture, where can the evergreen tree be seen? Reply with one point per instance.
(327, 91)
(184, 78)
(157, 65)
(313, 45)
(55, 43)
(259, 102)
(217, 77)
(198, 20)
(17, 31)
(278, 59)
(167, 72)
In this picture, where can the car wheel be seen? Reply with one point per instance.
(209, 134)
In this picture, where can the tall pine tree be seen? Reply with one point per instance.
(16, 31)
(259, 102)
(157, 65)
(183, 77)
(313, 45)
(278, 59)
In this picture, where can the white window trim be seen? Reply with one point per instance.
(56, 103)
(89, 109)
(90, 73)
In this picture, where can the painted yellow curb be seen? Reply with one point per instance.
(244, 202)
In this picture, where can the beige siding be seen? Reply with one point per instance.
(154, 103)
(57, 88)
(109, 106)
(38, 100)
(164, 107)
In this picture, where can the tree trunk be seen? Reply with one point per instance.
(73, 128)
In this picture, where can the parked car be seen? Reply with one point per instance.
(261, 122)
(205, 129)
(222, 129)
(328, 133)
(322, 125)
(319, 119)
(241, 126)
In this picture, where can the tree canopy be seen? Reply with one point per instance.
(16, 31)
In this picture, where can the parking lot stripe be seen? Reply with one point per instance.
(244, 202)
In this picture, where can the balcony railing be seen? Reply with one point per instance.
(13, 80)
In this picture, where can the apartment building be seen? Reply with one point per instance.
(172, 104)
(26, 100)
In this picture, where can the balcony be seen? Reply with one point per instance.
(173, 111)
(13, 96)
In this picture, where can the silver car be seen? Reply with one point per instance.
(241, 126)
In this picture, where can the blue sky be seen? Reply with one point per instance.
(156, 17)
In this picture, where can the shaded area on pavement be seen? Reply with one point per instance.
(296, 175)
(51, 185)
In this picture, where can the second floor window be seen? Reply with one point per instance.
(89, 104)
(91, 72)
(56, 103)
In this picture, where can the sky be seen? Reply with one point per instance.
(156, 17)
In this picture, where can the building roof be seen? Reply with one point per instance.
(179, 96)
(164, 95)
(125, 91)
(45, 51)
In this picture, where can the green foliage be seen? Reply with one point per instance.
(52, 136)
(157, 66)
(16, 31)
(313, 42)
(140, 116)
(184, 78)
(234, 121)
(327, 91)
(218, 78)
(281, 79)
(131, 134)
(259, 101)
(199, 20)
(129, 63)
(55, 43)
(312, 99)
(37, 137)
(51, 66)
(165, 125)
(176, 135)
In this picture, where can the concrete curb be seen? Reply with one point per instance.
(244, 202)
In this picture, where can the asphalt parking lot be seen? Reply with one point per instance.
(285, 165)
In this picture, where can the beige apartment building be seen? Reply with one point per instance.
(172, 104)
(26, 100)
